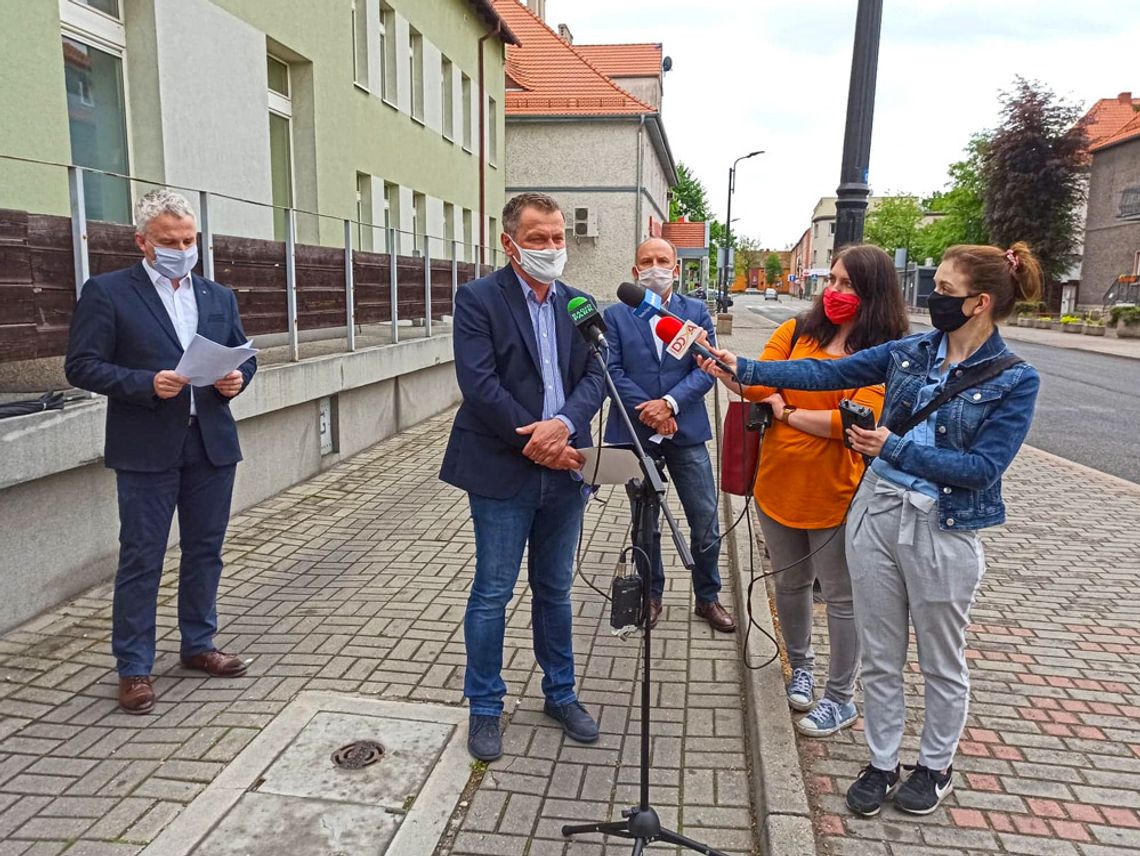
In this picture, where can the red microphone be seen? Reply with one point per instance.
(667, 329)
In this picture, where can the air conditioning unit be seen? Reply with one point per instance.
(585, 223)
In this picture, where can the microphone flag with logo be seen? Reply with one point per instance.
(680, 339)
(586, 318)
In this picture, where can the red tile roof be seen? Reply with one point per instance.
(1108, 119)
(685, 235)
(554, 78)
(636, 60)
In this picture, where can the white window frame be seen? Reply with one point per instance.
(468, 118)
(283, 106)
(1136, 264)
(359, 29)
(415, 37)
(492, 131)
(447, 97)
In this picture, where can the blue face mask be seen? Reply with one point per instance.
(175, 264)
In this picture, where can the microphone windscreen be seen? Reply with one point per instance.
(667, 328)
(631, 294)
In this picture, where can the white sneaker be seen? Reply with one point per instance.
(801, 690)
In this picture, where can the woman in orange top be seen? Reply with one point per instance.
(807, 476)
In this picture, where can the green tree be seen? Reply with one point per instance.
(894, 224)
(690, 198)
(749, 254)
(962, 207)
(773, 269)
(1034, 167)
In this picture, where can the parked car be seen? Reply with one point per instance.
(771, 294)
(698, 293)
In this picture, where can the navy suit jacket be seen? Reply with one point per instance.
(121, 336)
(640, 375)
(497, 366)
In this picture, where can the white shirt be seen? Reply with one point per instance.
(180, 306)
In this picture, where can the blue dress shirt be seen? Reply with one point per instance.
(542, 318)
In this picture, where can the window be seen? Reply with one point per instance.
(419, 224)
(280, 143)
(391, 210)
(1136, 265)
(96, 106)
(815, 230)
(387, 53)
(829, 258)
(447, 86)
(416, 69)
(492, 131)
(364, 211)
(468, 241)
(493, 239)
(814, 257)
(465, 94)
(449, 229)
(831, 228)
(359, 44)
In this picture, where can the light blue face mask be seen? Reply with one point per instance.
(174, 264)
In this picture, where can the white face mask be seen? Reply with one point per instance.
(544, 265)
(175, 264)
(658, 280)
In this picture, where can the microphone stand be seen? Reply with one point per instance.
(641, 822)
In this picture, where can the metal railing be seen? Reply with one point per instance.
(421, 243)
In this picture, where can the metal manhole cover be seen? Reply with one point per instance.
(358, 754)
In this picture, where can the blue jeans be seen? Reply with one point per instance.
(548, 519)
(691, 472)
(201, 492)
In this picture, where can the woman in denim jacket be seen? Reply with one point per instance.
(912, 530)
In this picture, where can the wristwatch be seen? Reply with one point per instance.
(788, 411)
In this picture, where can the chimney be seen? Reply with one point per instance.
(1125, 98)
(565, 34)
(539, 8)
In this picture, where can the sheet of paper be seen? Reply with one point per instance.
(205, 361)
(607, 465)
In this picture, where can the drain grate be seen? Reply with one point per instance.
(358, 754)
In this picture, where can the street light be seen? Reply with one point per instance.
(722, 300)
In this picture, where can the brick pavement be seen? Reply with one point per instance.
(355, 581)
(1050, 759)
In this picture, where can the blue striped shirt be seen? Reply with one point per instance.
(542, 319)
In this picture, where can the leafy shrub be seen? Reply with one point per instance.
(1126, 314)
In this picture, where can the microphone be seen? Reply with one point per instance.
(667, 330)
(644, 303)
(589, 323)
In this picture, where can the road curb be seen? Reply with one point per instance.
(1010, 334)
(783, 816)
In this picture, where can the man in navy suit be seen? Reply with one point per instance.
(171, 445)
(530, 389)
(665, 399)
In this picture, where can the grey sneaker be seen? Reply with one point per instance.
(484, 739)
(801, 690)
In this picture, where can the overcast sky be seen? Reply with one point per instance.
(773, 75)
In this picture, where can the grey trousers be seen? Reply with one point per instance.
(794, 599)
(902, 562)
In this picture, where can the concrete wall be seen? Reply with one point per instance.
(1111, 244)
(58, 507)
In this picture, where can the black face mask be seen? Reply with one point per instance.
(946, 312)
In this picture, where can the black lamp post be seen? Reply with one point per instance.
(722, 300)
(851, 205)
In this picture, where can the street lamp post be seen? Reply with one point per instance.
(851, 205)
(722, 300)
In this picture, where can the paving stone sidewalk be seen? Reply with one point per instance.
(1050, 761)
(355, 581)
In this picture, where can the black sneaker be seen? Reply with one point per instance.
(867, 793)
(924, 789)
(484, 739)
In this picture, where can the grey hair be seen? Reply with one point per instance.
(512, 211)
(158, 202)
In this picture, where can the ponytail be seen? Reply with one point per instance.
(1007, 276)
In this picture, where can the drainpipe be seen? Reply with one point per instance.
(483, 146)
(637, 207)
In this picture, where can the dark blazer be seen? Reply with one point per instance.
(121, 336)
(640, 375)
(497, 366)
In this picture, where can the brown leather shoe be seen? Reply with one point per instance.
(216, 664)
(654, 611)
(717, 616)
(136, 695)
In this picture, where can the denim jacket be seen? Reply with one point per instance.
(979, 430)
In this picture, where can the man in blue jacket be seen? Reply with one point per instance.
(665, 398)
(170, 445)
(530, 389)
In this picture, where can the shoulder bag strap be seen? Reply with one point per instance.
(971, 378)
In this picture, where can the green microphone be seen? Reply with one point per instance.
(586, 318)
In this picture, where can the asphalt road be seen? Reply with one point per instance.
(1088, 410)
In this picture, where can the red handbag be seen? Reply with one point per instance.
(739, 451)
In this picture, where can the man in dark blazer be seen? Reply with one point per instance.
(665, 398)
(170, 445)
(530, 389)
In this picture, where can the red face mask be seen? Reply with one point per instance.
(839, 307)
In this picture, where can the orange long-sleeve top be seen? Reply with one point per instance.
(805, 481)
